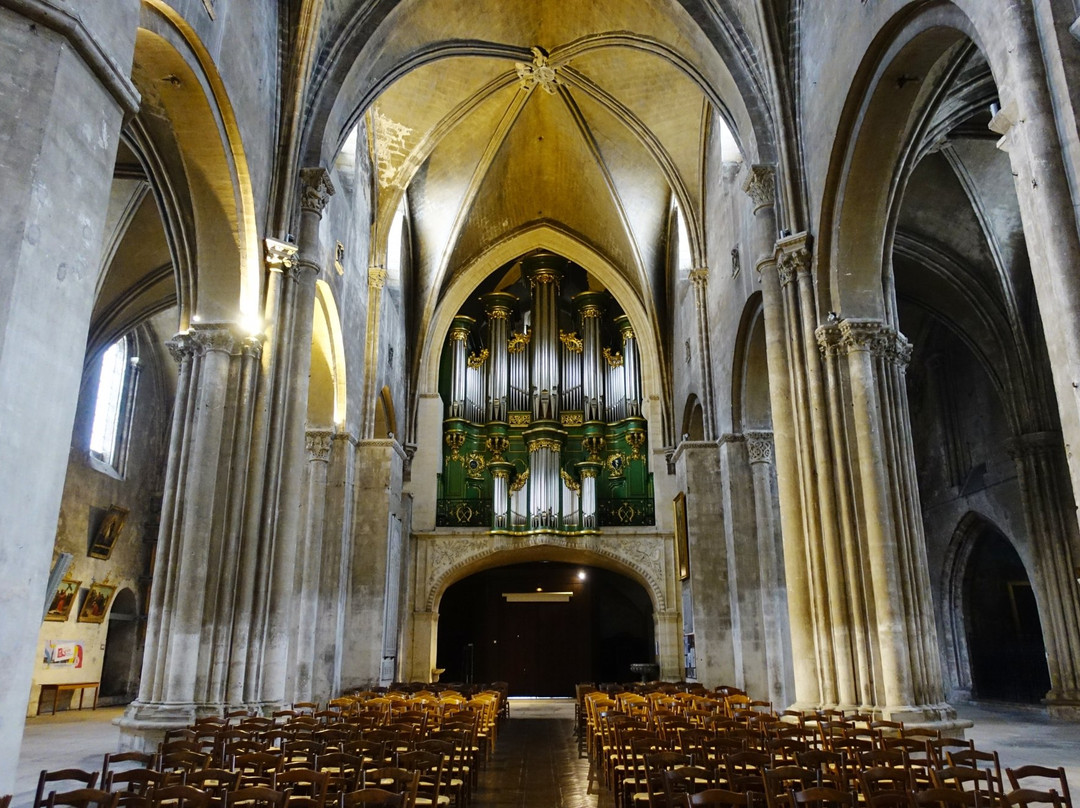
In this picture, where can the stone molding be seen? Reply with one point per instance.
(279, 254)
(203, 338)
(70, 26)
(318, 443)
(315, 189)
(539, 73)
(444, 558)
(760, 185)
(1032, 444)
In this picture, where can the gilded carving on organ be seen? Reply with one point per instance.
(614, 358)
(572, 342)
(476, 361)
(517, 342)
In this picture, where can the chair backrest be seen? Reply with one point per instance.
(1059, 782)
(377, 797)
(142, 760)
(70, 776)
(214, 781)
(394, 778)
(307, 785)
(181, 796)
(344, 771)
(137, 781)
(901, 798)
(822, 796)
(1025, 797)
(716, 798)
(83, 798)
(779, 782)
(183, 761)
(946, 798)
(876, 779)
(257, 797)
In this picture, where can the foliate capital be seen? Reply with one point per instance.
(181, 348)
(760, 185)
(315, 189)
(210, 337)
(279, 254)
(318, 443)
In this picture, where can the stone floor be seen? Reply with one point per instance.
(536, 762)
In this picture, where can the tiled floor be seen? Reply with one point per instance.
(536, 762)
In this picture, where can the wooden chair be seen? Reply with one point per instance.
(822, 796)
(395, 779)
(968, 779)
(307, 787)
(181, 763)
(890, 799)
(1025, 797)
(432, 786)
(715, 798)
(134, 781)
(344, 772)
(83, 798)
(984, 761)
(946, 798)
(938, 748)
(142, 760)
(5, 800)
(184, 796)
(257, 769)
(781, 780)
(682, 780)
(215, 782)
(374, 797)
(653, 768)
(744, 772)
(1060, 783)
(83, 778)
(257, 797)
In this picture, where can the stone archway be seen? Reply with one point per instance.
(441, 559)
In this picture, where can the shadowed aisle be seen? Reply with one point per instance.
(536, 762)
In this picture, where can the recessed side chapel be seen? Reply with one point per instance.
(345, 343)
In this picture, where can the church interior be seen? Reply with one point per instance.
(719, 342)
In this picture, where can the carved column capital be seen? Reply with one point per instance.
(863, 335)
(210, 337)
(828, 339)
(315, 189)
(279, 254)
(760, 185)
(759, 446)
(181, 348)
(252, 346)
(318, 443)
(700, 277)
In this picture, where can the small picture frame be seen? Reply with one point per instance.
(96, 605)
(682, 543)
(62, 600)
(112, 524)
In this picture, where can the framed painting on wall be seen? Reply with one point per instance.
(96, 605)
(62, 600)
(108, 532)
(682, 544)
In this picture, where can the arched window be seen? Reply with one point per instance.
(114, 405)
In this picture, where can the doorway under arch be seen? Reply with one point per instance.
(119, 668)
(1005, 641)
(543, 627)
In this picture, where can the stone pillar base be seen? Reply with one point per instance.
(143, 726)
(1062, 708)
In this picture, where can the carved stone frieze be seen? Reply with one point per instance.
(318, 443)
(315, 189)
(760, 185)
(448, 558)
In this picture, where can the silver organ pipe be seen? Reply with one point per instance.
(631, 367)
(544, 273)
(571, 372)
(459, 350)
(498, 306)
(591, 311)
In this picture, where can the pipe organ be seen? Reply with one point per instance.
(543, 429)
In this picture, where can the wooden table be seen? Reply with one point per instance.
(58, 687)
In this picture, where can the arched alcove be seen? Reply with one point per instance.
(543, 627)
(120, 668)
(1004, 635)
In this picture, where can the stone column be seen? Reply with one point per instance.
(191, 600)
(376, 282)
(699, 277)
(62, 103)
(282, 515)
(1040, 466)
(774, 621)
(760, 185)
(309, 571)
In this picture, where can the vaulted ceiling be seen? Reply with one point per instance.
(590, 118)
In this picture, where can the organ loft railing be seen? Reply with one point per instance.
(543, 428)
